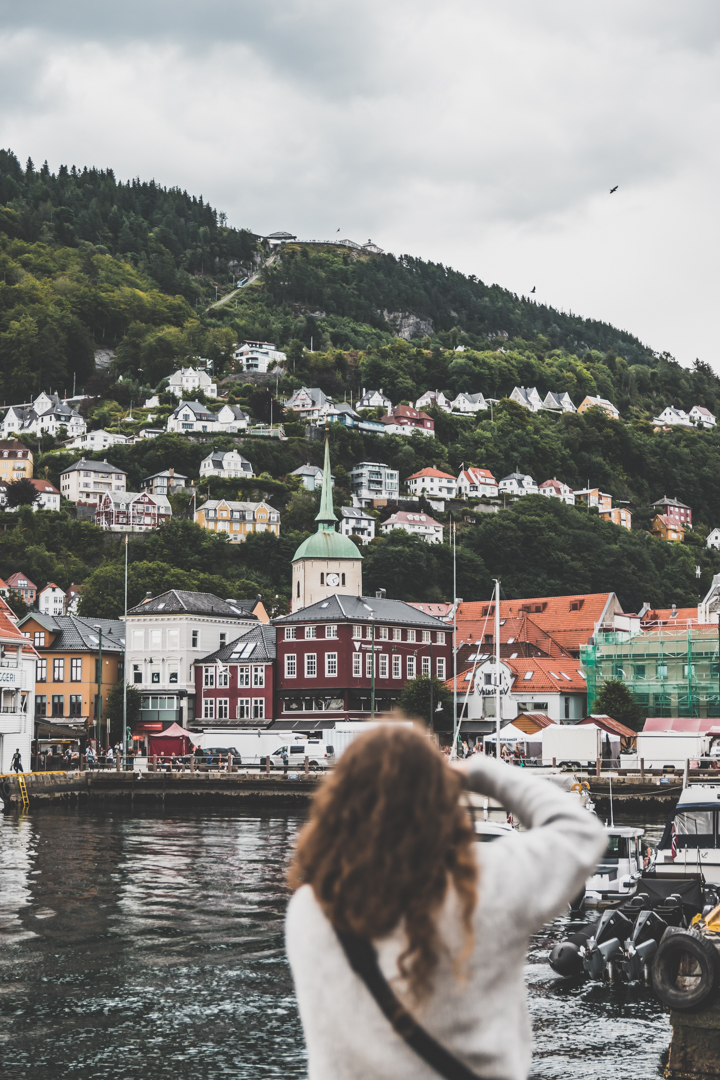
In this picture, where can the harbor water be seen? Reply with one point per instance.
(143, 945)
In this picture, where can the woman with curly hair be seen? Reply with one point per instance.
(406, 938)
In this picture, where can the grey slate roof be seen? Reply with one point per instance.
(93, 466)
(200, 412)
(165, 472)
(670, 502)
(180, 602)
(263, 637)
(355, 512)
(76, 634)
(362, 609)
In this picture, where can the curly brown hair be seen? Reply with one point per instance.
(387, 834)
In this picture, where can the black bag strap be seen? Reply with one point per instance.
(363, 960)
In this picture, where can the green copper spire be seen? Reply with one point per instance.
(326, 515)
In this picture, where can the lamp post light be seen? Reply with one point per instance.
(99, 709)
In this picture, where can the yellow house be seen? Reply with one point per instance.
(237, 519)
(620, 517)
(16, 461)
(667, 528)
(599, 403)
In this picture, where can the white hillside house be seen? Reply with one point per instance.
(561, 402)
(190, 417)
(432, 482)
(430, 530)
(468, 403)
(702, 416)
(528, 397)
(228, 464)
(191, 380)
(433, 397)
(556, 489)
(47, 414)
(232, 418)
(476, 483)
(52, 600)
(259, 356)
(673, 417)
(517, 484)
(713, 540)
(373, 399)
(354, 521)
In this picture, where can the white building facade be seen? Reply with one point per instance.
(355, 522)
(422, 525)
(190, 417)
(556, 489)
(189, 381)
(517, 484)
(468, 403)
(17, 692)
(258, 356)
(432, 482)
(88, 481)
(228, 464)
(52, 600)
(476, 483)
(372, 481)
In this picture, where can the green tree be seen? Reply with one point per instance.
(22, 492)
(420, 699)
(114, 710)
(616, 700)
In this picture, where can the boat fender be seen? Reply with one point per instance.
(6, 788)
(580, 787)
(686, 969)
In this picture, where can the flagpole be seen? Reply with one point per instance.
(125, 735)
(498, 699)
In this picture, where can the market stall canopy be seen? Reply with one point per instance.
(173, 740)
(508, 734)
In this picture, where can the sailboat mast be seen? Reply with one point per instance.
(497, 669)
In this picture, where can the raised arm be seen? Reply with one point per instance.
(550, 862)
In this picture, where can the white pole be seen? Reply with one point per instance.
(125, 673)
(456, 723)
(498, 699)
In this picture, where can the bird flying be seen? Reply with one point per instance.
(532, 290)
(612, 189)
(337, 230)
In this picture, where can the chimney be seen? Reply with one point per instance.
(381, 594)
(148, 597)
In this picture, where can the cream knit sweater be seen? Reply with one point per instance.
(525, 880)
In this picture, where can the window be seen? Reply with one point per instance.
(196, 639)
(397, 634)
(357, 631)
(426, 637)
(688, 671)
(440, 663)
(322, 579)
(310, 632)
(290, 666)
(397, 667)
(138, 640)
(223, 639)
(40, 705)
(209, 677)
(58, 672)
(137, 673)
(156, 639)
(369, 657)
(639, 671)
(487, 679)
(155, 677)
(411, 667)
(243, 708)
(383, 666)
(291, 631)
(567, 708)
(75, 705)
(76, 669)
(41, 670)
(222, 676)
(357, 665)
(258, 708)
(528, 675)
(331, 632)
(331, 667)
(209, 709)
(298, 590)
(39, 639)
(58, 705)
(440, 637)
(662, 671)
(426, 667)
(173, 638)
(383, 633)
(310, 665)
(243, 675)
(259, 676)
(222, 708)
(411, 635)
(173, 677)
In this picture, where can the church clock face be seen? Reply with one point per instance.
(333, 579)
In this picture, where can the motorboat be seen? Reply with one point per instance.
(616, 877)
(690, 843)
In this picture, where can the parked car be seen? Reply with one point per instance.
(320, 755)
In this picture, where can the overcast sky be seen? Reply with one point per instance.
(484, 135)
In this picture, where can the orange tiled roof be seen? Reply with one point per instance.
(547, 674)
(431, 472)
(670, 616)
(569, 620)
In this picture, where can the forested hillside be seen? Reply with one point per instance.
(89, 262)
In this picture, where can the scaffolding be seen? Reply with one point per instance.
(669, 672)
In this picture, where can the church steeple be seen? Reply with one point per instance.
(327, 562)
(326, 514)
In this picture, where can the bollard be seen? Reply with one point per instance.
(192, 763)
(118, 763)
(598, 766)
(267, 765)
(554, 763)
(83, 763)
(307, 765)
(154, 763)
(642, 770)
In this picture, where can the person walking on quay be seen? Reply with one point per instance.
(284, 758)
(109, 758)
(16, 763)
(90, 757)
(407, 940)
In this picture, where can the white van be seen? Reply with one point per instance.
(320, 754)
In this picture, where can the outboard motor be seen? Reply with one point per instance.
(568, 955)
(603, 948)
(640, 949)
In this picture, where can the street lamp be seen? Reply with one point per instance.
(99, 709)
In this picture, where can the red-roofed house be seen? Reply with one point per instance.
(477, 483)
(52, 600)
(555, 687)
(433, 482)
(664, 618)
(417, 524)
(555, 489)
(667, 528)
(569, 620)
(404, 419)
(22, 586)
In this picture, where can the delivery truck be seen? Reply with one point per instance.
(576, 746)
(663, 749)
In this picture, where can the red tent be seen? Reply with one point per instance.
(173, 740)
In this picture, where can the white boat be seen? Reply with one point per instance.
(616, 878)
(694, 825)
(486, 831)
